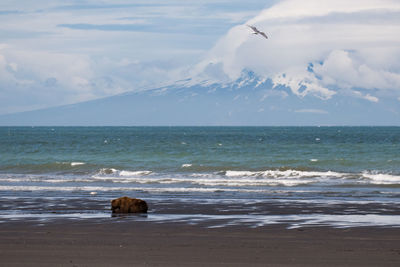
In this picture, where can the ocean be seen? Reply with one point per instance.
(300, 176)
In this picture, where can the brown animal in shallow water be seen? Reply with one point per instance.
(128, 205)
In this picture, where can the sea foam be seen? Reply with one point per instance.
(77, 163)
(381, 178)
(286, 173)
(134, 173)
(186, 165)
(230, 178)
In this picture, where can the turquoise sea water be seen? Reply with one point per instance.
(315, 164)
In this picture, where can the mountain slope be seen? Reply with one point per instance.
(247, 101)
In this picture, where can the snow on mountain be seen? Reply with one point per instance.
(250, 100)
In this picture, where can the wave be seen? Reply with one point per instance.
(93, 189)
(287, 174)
(107, 171)
(214, 181)
(186, 165)
(135, 173)
(77, 163)
(114, 175)
(381, 178)
(227, 178)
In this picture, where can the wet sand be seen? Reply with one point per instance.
(55, 232)
(126, 242)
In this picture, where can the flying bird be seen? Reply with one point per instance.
(256, 31)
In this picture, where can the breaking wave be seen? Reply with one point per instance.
(226, 179)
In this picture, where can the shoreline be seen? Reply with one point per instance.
(141, 243)
(214, 213)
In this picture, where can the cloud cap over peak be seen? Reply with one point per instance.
(319, 48)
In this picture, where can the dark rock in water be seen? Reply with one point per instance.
(128, 205)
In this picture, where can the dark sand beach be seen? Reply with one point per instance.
(173, 233)
(129, 242)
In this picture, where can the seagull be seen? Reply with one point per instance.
(256, 31)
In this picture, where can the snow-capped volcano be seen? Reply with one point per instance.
(249, 100)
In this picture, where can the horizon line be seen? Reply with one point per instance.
(180, 126)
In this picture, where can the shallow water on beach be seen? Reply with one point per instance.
(208, 171)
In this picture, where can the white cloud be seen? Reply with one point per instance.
(39, 79)
(366, 96)
(348, 70)
(371, 98)
(6, 76)
(31, 79)
(350, 44)
(311, 8)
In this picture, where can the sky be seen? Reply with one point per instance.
(62, 52)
